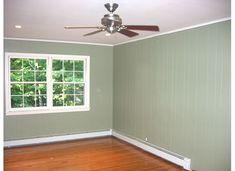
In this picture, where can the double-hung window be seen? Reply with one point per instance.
(46, 83)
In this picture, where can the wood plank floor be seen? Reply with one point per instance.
(100, 154)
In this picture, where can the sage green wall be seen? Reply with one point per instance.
(101, 82)
(175, 90)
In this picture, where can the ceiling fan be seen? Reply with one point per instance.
(112, 23)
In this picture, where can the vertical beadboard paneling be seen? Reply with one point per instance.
(175, 90)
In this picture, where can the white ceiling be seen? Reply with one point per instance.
(45, 19)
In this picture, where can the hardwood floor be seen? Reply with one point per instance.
(100, 154)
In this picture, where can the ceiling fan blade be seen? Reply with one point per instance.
(94, 32)
(142, 27)
(77, 27)
(128, 33)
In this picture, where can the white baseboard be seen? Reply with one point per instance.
(165, 154)
(41, 140)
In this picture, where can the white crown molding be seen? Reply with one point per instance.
(113, 45)
(41, 140)
(130, 41)
(177, 30)
(57, 41)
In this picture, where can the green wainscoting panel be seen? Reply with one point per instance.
(174, 89)
(101, 82)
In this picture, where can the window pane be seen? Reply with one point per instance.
(79, 88)
(78, 76)
(68, 76)
(28, 76)
(41, 101)
(79, 100)
(78, 65)
(16, 63)
(29, 89)
(16, 89)
(40, 64)
(57, 88)
(57, 65)
(68, 88)
(41, 89)
(16, 101)
(68, 65)
(58, 100)
(57, 76)
(29, 101)
(69, 100)
(28, 64)
(41, 76)
(29, 82)
(16, 76)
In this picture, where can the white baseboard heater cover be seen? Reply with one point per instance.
(165, 154)
(41, 140)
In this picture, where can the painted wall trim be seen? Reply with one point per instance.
(181, 161)
(58, 41)
(177, 30)
(41, 140)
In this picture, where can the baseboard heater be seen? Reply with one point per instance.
(51, 139)
(163, 153)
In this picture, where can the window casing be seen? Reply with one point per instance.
(46, 83)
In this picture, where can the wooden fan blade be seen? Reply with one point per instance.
(94, 32)
(76, 27)
(142, 27)
(128, 33)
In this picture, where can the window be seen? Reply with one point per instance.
(44, 83)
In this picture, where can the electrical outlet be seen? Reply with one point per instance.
(146, 139)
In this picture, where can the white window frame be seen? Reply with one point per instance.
(49, 108)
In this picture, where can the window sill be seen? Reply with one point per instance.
(64, 109)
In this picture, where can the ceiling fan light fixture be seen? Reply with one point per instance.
(107, 34)
(112, 23)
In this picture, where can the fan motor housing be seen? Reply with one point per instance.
(112, 22)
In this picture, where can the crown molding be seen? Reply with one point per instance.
(57, 41)
(129, 41)
(177, 30)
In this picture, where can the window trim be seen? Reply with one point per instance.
(49, 108)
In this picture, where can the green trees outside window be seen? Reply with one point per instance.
(28, 82)
(41, 83)
(68, 82)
